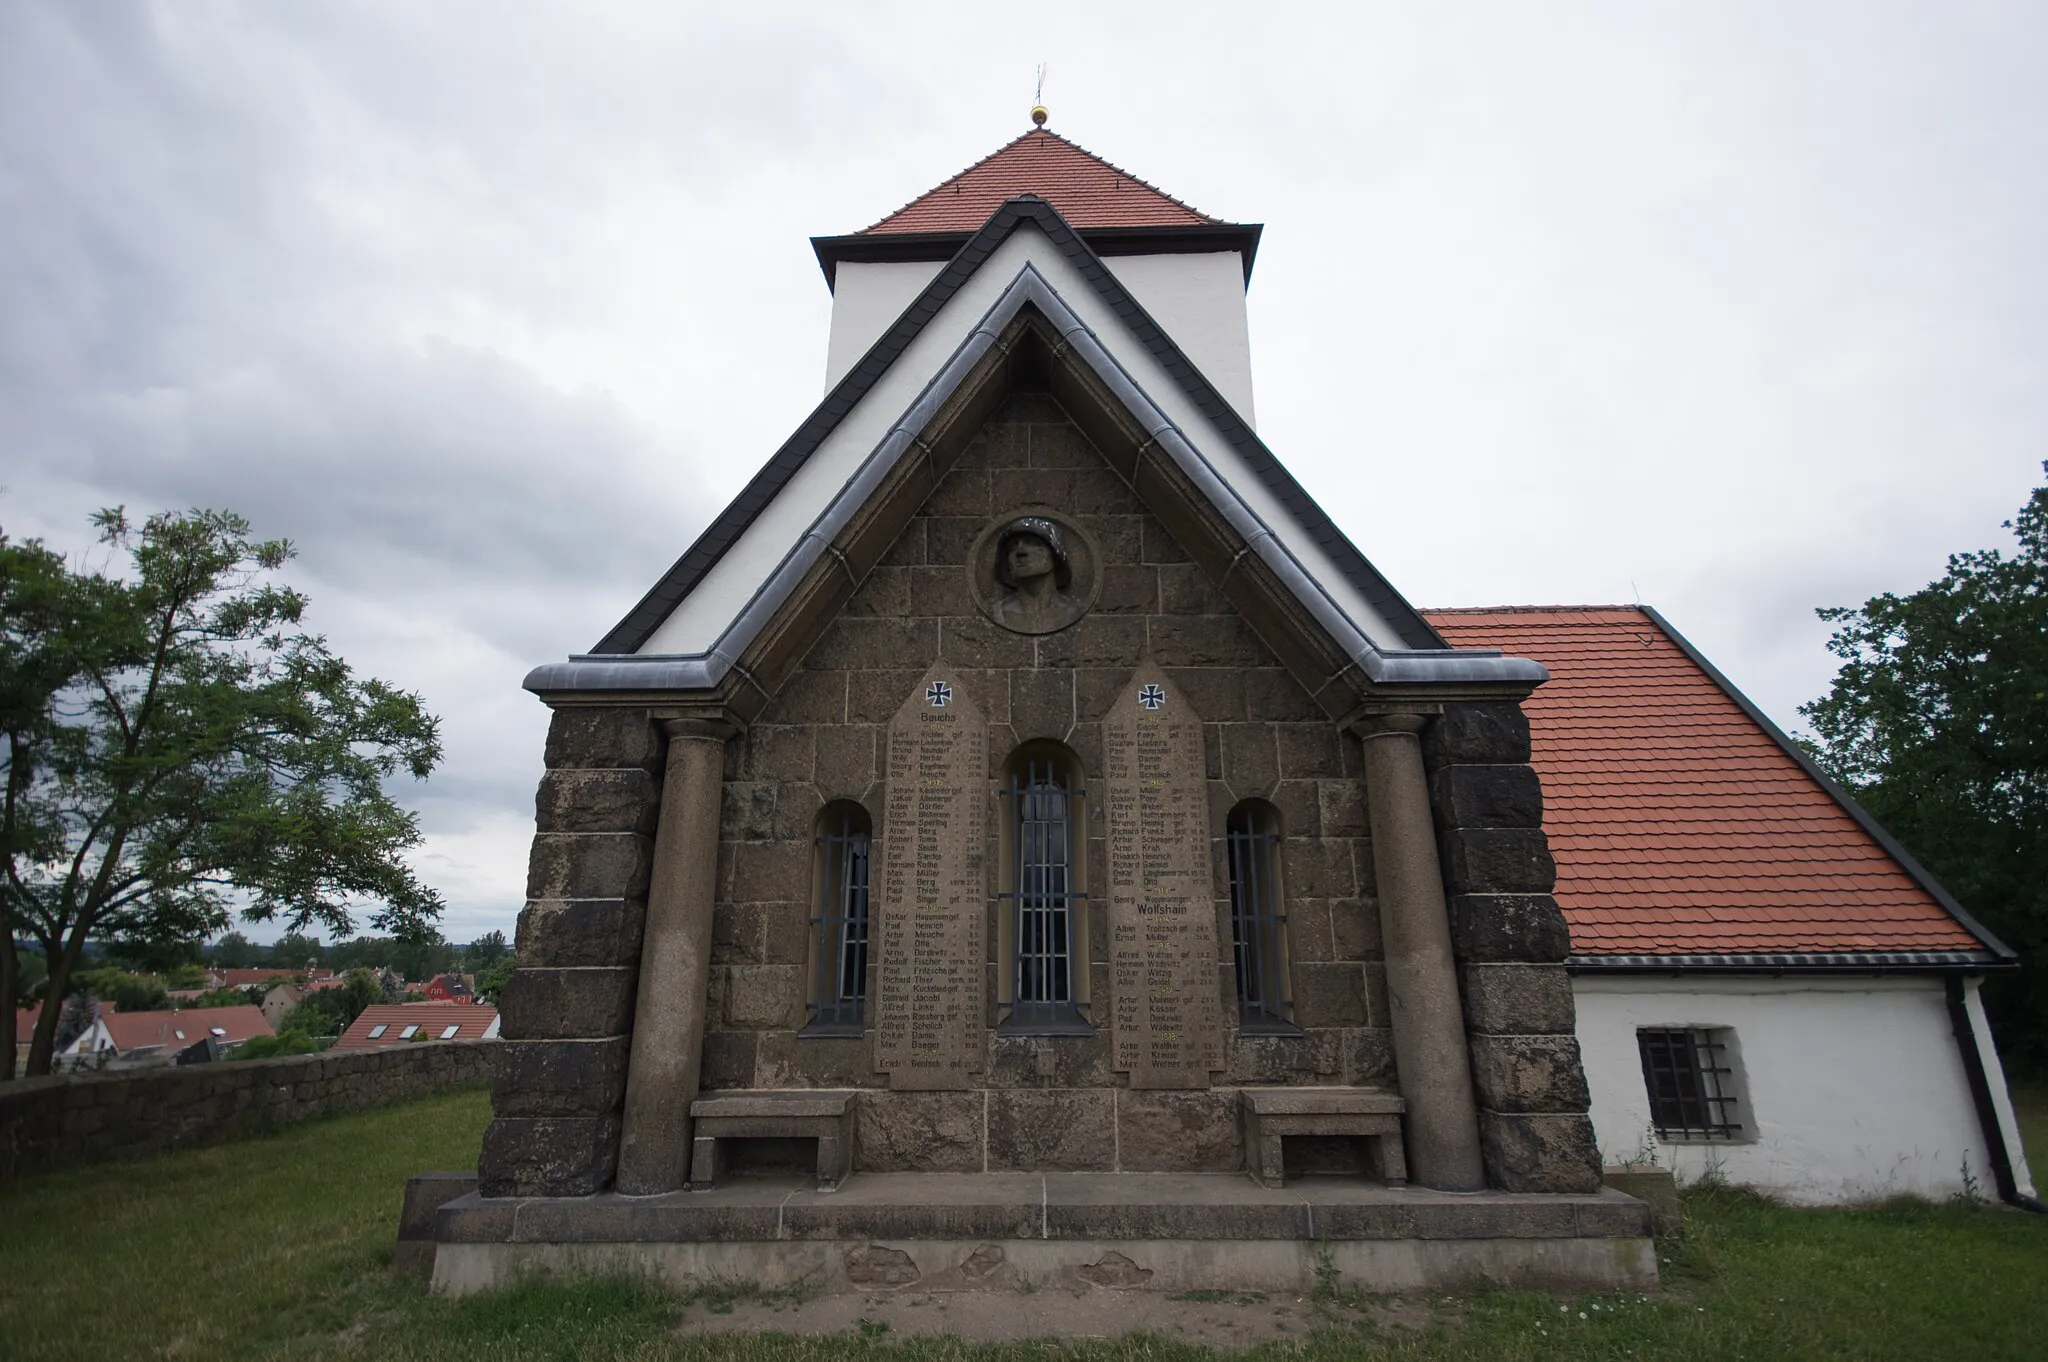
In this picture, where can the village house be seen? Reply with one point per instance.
(382, 1025)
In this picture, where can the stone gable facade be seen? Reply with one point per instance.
(1039, 1102)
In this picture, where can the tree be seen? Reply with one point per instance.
(235, 951)
(1938, 721)
(491, 982)
(295, 951)
(328, 1011)
(180, 748)
(127, 992)
(485, 951)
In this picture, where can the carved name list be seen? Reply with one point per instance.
(929, 1013)
(1162, 920)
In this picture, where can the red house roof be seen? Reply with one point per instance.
(1680, 823)
(1085, 190)
(400, 1023)
(188, 1026)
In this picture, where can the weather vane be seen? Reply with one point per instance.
(1039, 113)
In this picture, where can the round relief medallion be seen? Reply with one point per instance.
(1035, 571)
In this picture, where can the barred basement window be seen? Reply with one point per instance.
(839, 919)
(1691, 1085)
(1044, 826)
(1258, 920)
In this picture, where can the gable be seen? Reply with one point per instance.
(1083, 188)
(899, 415)
(1685, 825)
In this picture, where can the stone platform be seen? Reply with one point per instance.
(964, 1231)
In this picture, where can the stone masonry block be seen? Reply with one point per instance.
(924, 1132)
(1518, 1000)
(589, 865)
(1329, 995)
(548, 1156)
(1524, 928)
(1477, 734)
(1528, 1073)
(597, 801)
(772, 872)
(566, 1004)
(1056, 1129)
(1487, 797)
(1497, 861)
(1527, 1153)
(558, 1077)
(1178, 1132)
(594, 738)
(564, 933)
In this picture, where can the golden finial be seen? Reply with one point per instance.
(1039, 113)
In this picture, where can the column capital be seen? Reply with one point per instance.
(712, 722)
(1390, 722)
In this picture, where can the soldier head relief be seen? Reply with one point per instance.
(1034, 571)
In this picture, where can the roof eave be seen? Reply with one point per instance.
(871, 247)
(1794, 963)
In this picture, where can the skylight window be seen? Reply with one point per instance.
(379, 1029)
(179, 1034)
(448, 1032)
(218, 1030)
(409, 1032)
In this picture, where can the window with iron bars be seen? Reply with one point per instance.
(1043, 801)
(1691, 1085)
(839, 920)
(1258, 920)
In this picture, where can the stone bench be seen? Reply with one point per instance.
(1371, 1114)
(825, 1115)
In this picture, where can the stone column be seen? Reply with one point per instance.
(1422, 977)
(675, 964)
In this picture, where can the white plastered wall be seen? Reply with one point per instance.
(1851, 1089)
(866, 298)
(1198, 300)
(700, 619)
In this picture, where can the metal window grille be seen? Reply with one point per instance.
(842, 925)
(1256, 921)
(1042, 896)
(1690, 1084)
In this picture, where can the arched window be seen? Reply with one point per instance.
(1258, 918)
(839, 919)
(1042, 922)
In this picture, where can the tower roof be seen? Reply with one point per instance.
(1086, 190)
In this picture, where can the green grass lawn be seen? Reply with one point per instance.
(2030, 1104)
(280, 1247)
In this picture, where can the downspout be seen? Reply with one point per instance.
(1996, 1152)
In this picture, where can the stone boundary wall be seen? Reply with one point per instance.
(135, 1113)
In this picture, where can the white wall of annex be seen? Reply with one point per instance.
(1198, 300)
(866, 298)
(1854, 1088)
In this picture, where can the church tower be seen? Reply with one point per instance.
(1024, 775)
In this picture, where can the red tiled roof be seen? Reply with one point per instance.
(1679, 825)
(187, 1026)
(473, 1019)
(1082, 187)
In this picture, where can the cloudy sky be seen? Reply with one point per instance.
(1737, 310)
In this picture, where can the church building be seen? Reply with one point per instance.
(1024, 790)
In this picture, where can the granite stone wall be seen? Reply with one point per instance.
(1510, 940)
(136, 1113)
(1048, 1102)
(558, 1075)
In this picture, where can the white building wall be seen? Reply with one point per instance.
(866, 298)
(1198, 300)
(1852, 1089)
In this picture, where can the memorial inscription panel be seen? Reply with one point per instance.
(1162, 917)
(929, 1013)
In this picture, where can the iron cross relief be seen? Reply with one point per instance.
(1151, 696)
(938, 693)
